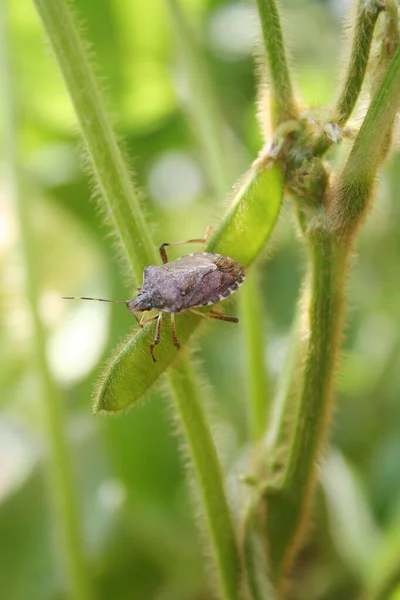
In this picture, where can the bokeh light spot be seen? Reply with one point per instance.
(233, 30)
(175, 180)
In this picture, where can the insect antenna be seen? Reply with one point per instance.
(94, 299)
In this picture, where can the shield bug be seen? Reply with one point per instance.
(192, 281)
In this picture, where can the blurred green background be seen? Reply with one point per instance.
(140, 529)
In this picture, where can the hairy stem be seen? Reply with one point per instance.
(354, 186)
(283, 106)
(66, 517)
(287, 505)
(209, 477)
(324, 314)
(363, 31)
(389, 41)
(111, 174)
(367, 16)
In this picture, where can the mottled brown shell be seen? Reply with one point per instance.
(193, 280)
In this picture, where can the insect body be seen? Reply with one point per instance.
(192, 281)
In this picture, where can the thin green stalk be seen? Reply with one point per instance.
(209, 477)
(283, 106)
(367, 16)
(389, 41)
(369, 149)
(120, 199)
(111, 174)
(328, 259)
(252, 323)
(205, 111)
(66, 518)
(287, 506)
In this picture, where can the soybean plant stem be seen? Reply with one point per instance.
(283, 105)
(367, 15)
(121, 199)
(208, 473)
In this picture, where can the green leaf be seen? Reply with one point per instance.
(242, 235)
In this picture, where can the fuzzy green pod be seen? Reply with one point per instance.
(242, 235)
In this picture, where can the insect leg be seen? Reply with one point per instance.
(216, 311)
(174, 336)
(136, 319)
(202, 240)
(157, 336)
(143, 323)
(218, 317)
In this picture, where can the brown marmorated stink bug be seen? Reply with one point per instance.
(192, 281)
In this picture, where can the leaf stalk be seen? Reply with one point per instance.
(120, 198)
(367, 15)
(283, 107)
(203, 454)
